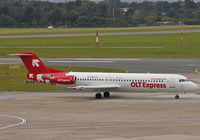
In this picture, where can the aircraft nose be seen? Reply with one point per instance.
(194, 86)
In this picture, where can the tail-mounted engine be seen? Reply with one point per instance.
(53, 78)
(67, 79)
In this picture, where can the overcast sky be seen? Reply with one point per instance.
(124, 0)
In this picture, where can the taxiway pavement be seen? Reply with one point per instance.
(61, 115)
(101, 34)
(152, 65)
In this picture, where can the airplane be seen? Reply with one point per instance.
(104, 82)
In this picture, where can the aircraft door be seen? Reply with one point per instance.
(172, 83)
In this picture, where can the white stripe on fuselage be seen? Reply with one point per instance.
(131, 82)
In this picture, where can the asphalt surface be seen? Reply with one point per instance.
(152, 65)
(101, 34)
(56, 115)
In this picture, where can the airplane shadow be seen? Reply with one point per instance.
(114, 97)
(91, 97)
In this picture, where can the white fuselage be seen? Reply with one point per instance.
(135, 82)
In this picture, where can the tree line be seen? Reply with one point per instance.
(85, 13)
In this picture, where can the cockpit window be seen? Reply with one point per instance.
(184, 80)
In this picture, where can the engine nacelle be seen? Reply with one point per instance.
(67, 79)
(53, 78)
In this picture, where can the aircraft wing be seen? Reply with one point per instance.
(97, 87)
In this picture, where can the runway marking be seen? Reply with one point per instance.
(165, 59)
(106, 59)
(172, 69)
(197, 71)
(80, 61)
(12, 125)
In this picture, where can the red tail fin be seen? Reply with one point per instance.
(33, 62)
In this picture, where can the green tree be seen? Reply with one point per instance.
(6, 20)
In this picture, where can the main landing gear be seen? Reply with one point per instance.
(177, 96)
(106, 94)
(98, 96)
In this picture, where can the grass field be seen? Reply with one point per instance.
(13, 79)
(37, 31)
(169, 46)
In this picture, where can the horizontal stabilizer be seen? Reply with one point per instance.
(18, 54)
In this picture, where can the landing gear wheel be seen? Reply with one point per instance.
(177, 97)
(98, 96)
(106, 94)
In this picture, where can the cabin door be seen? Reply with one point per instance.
(172, 83)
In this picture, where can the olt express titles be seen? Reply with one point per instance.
(147, 85)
